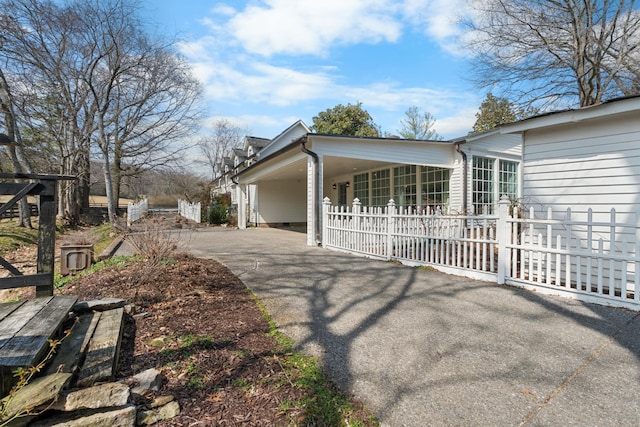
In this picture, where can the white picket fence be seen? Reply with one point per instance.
(596, 261)
(190, 211)
(136, 211)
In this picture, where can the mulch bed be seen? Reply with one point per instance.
(198, 324)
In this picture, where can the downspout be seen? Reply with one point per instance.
(465, 181)
(317, 190)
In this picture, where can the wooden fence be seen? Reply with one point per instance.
(13, 211)
(597, 261)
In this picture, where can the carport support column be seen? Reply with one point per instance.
(314, 201)
(242, 206)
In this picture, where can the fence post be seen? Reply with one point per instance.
(326, 205)
(355, 221)
(502, 234)
(391, 226)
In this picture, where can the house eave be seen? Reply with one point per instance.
(612, 107)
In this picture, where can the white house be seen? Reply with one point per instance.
(583, 158)
(298, 169)
(578, 171)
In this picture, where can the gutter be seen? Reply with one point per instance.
(317, 190)
(465, 172)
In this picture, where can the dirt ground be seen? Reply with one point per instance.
(196, 322)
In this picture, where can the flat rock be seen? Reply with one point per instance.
(113, 417)
(164, 412)
(150, 379)
(102, 304)
(35, 394)
(161, 401)
(99, 396)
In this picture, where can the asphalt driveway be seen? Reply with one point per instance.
(424, 348)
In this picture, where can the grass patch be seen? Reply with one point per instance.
(13, 237)
(323, 403)
(60, 281)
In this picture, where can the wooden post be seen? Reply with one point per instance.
(47, 236)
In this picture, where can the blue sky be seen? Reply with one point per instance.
(265, 64)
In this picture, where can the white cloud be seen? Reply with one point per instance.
(234, 61)
(457, 124)
(313, 27)
(439, 20)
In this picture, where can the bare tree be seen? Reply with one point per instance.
(88, 74)
(417, 125)
(143, 93)
(41, 48)
(219, 144)
(19, 161)
(556, 52)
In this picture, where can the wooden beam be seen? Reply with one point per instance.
(26, 188)
(24, 281)
(4, 175)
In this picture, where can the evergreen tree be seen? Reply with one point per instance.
(350, 120)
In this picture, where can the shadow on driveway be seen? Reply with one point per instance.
(424, 348)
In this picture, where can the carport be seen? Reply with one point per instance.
(291, 182)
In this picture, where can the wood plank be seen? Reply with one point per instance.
(7, 308)
(102, 355)
(42, 279)
(72, 350)
(27, 346)
(12, 324)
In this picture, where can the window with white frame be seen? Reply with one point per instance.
(361, 188)
(380, 187)
(435, 187)
(404, 185)
(508, 179)
(485, 182)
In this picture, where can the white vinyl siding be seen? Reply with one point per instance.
(596, 164)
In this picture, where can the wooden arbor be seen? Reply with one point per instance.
(43, 186)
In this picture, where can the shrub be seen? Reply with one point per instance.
(218, 212)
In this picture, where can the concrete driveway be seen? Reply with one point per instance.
(423, 348)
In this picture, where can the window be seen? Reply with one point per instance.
(380, 187)
(361, 188)
(509, 179)
(404, 185)
(435, 187)
(485, 182)
(482, 184)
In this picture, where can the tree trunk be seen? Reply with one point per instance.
(16, 153)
